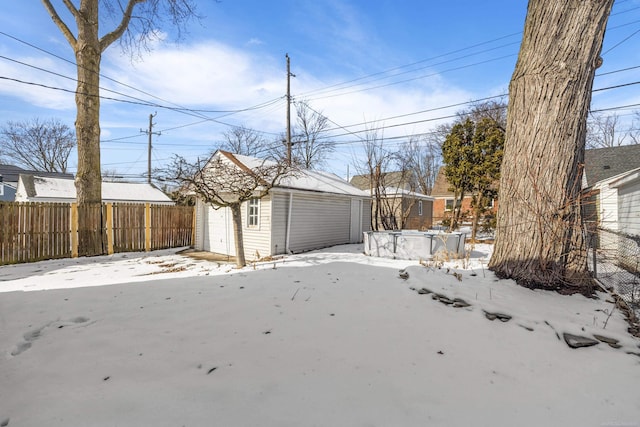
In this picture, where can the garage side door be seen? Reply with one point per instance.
(218, 235)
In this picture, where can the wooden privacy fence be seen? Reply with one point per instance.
(37, 231)
(34, 231)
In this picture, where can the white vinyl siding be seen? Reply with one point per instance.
(279, 214)
(608, 203)
(200, 229)
(215, 231)
(257, 239)
(629, 208)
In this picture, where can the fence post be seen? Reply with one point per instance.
(147, 227)
(74, 230)
(109, 228)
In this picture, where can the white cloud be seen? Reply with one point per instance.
(255, 42)
(37, 87)
(201, 74)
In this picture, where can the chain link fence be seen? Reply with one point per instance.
(614, 259)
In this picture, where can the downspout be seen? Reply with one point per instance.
(286, 243)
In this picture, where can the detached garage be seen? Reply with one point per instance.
(310, 210)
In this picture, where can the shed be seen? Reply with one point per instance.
(9, 175)
(33, 188)
(305, 211)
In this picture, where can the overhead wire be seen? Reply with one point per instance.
(364, 77)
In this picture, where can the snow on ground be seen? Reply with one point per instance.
(327, 338)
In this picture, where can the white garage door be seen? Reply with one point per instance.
(218, 235)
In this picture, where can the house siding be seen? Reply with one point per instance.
(279, 215)
(608, 206)
(198, 243)
(366, 215)
(215, 230)
(257, 240)
(414, 220)
(7, 193)
(628, 208)
(440, 211)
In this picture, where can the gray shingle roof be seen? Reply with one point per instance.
(10, 173)
(603, 163)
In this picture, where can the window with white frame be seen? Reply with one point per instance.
(448, 204)
(419, 207)
(253, 212)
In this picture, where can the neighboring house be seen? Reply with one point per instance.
(444, 199)
(411, 210)
(9, 180)
(612, 183)
(305, 211)
(35, 188)
(617, 202)
(396, 179)
(604, 163)
(401, 207)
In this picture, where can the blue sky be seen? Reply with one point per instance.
(359, 63)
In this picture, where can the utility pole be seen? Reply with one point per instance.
(150, 132)
(289, 75)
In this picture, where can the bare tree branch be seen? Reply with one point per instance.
(37, 145)
(310, 148)
(60, 23)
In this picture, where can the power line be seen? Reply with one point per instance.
(177, 107)
(321, 91)
(416, 78)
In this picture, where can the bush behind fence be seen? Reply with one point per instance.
(37, 231)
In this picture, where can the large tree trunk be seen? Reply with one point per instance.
(88, 54)
(88, 177)
(236, 215)
(539, 236)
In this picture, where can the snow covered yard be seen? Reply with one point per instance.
(328, 338)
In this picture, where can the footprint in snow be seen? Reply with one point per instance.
(31, 336)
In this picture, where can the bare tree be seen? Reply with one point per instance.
(224, 183)
(37, 145)
(602, 131)
(539, 235)
(310, 148)
(388, 176)
(245, 141)
(496, 110)
(634, 131)
(133, 22)
(421, 156)
(608, 130)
